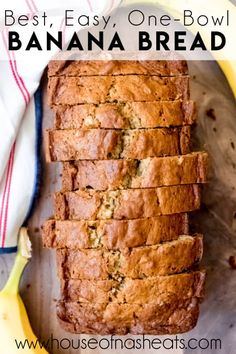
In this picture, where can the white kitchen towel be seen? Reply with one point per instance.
(21, 116)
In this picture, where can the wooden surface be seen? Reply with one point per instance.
(40, 287)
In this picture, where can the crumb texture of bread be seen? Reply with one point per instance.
(114, 234)
(118, 67)
(126, 115)
(103, 89)
(148, 173)
(137, 263)
(103, 144)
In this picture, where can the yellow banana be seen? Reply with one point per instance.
(229, 69)
(14, 322)
(176, 8)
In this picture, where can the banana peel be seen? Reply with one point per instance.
(176, 8)
(14, 322)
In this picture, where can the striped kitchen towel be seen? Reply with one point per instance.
(21, 116)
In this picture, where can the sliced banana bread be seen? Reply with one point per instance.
(114, 234)
(126, 115)
(102, 89)
(139, 262)
(117, 67)
(149, 173)
(135, 291)
(127, 203)
(102, 144)
(120, 319)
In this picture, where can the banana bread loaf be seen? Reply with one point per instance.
(126, 115)
(125, 258)
(102, 89)
(118, 67)
(114, 234)
(102, 144)
(122, 174)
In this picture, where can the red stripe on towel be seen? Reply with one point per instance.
(14, 73)
(8, 190)
(29, 6)
(4, 193)
(33, 5)
(90, 5)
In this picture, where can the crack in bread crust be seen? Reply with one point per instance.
(102, 144)
(103, 89)
(127, 115)
(104, 175)
(114, 234)
(140, 262)
(126, 204)
(118, 67)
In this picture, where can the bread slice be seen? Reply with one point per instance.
(127, 115)
(114, 234)
(140, 262)
(135, 291)
(120, 319)
(102, 144)
(117, 67)
(102, 89)
(122, 174)
(126, 204)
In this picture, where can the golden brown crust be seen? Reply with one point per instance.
(135, 291)
(126, 204)
(127, 115)
(148, 173)
(114, 234)
(140, 262)
(117, 67)
(102, 89)
(158, 318)
(101, 144)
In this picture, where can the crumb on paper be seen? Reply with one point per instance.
(232, 262)
(211, 113)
